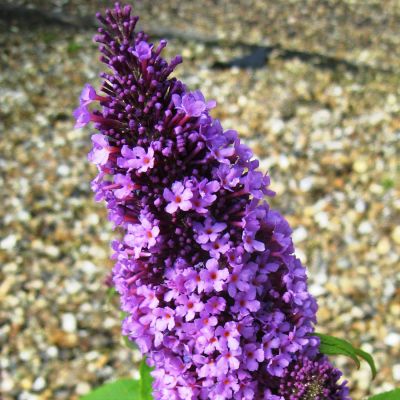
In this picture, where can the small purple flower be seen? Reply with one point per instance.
(269, 343)
(251, 244)
(136, 158)
(207, 342)
(205, 322)
(178, 198)
(253, 356)
(245, 303)
(228, 176)
(82, 116)
(142, 51)
(229, 359)
(88, 95)
(277, 365)
(212, 278)
(229, 337)
(207, 189)
(193, 104)
(101, 150)
(150, 232)
(188, 306)
(164, 318)
(209, 231)
(215, 305)
(218, 246)
(135, 238)
(126, 186)
(150, 298)
(226, 387)
(238, 280)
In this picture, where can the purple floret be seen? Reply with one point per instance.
(206, 272)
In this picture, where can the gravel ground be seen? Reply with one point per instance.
(318, 102)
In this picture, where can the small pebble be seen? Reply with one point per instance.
(68, 322)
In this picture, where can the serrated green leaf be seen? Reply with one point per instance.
(146, 381)
(122, 389)
(392, 395)
(368, 358)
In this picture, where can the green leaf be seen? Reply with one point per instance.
(128, 343)
(110, 294)
(122, 389)
(146, 381)
(334, 346)
(336, 350)
(368, 358)
(392, 395)
(331, 345)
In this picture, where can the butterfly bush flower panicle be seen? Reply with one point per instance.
(205, 269)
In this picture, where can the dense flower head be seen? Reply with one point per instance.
(312, 379)
(206, 270)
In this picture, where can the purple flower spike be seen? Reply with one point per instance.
(214, 295)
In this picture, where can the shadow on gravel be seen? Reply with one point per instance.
(257, 56)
